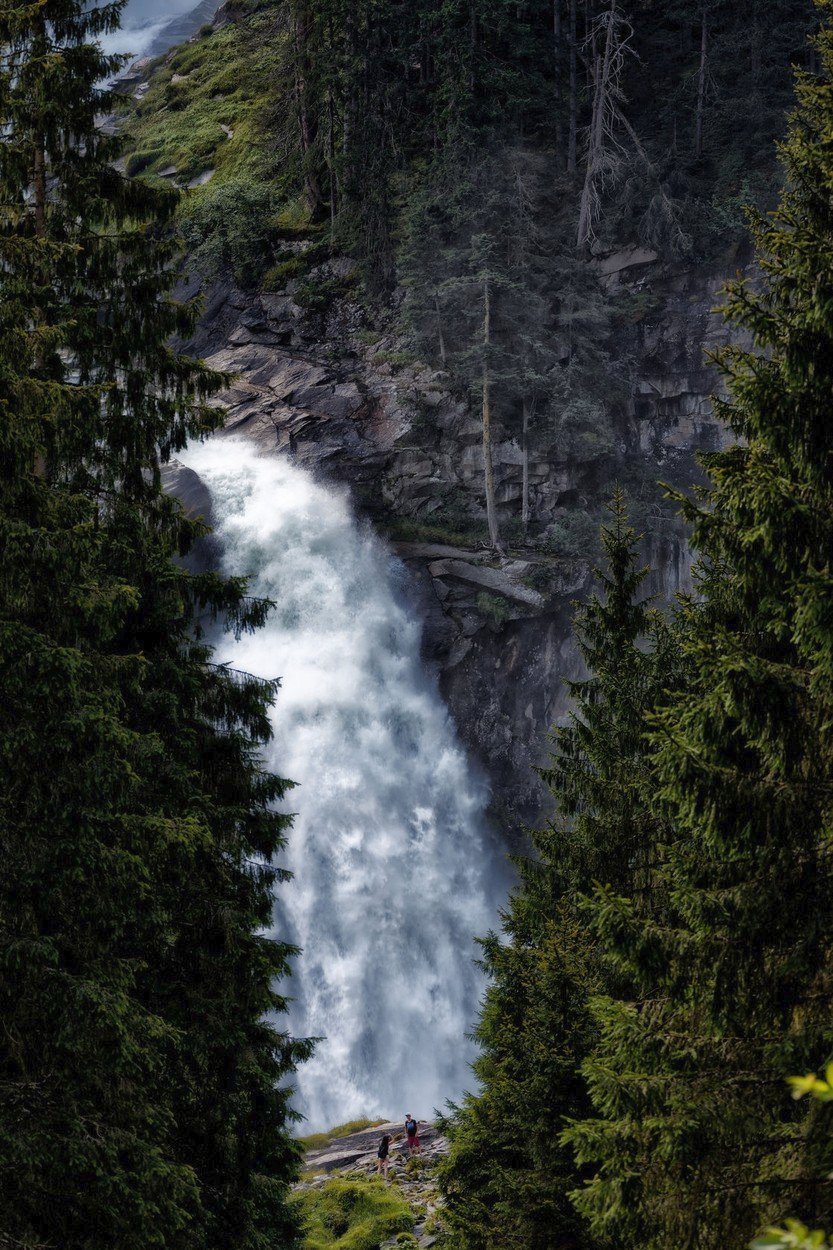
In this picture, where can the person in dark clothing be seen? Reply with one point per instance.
(382, 1156)
(412, 1133)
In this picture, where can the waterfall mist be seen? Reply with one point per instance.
(394, 871)
(142, 31)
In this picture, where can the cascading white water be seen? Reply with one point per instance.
(394, 872)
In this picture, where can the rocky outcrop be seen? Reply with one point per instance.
(354, 1157)
(357, 1151)
(317, 380)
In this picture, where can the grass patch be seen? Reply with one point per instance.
(220, 79)
(352, 1215)
(396, 360)
(315, 1141)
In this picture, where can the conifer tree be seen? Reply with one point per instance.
(142, 1098)
(508, 1178)
(695, 1141)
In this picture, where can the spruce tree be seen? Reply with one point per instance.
(694, 1140)
(508, 1177)
(142, 1090)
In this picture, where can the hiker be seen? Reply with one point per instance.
(382, 1156)
(412, 1131)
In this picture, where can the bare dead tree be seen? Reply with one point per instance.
(572, 140)
(701, 81)
(486, 418)
(559, 85)
(608, 45)
(524, 238)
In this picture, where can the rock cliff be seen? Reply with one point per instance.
(318, 379)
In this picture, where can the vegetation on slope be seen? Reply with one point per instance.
(473, 159)
(352, 1214)
(206, 106)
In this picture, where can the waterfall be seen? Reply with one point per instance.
(394, 871)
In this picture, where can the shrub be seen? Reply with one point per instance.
(229, 230)
(496, 611)
(575, 536)
(584, 432)
(317, 294)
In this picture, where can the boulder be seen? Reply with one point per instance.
(487, 579)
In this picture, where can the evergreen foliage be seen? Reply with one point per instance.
(142, 1090)
(694, 1139)
(508, 1178)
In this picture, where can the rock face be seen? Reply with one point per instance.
(321, 384)
(357, 1152)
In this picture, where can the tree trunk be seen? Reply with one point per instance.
(525, 467)
(559, 85)
(572, 141)
(331, 157)
(701, 84)
(307, 126)
(39, 203)
(488, 467)
(601, 86)
(440, 336)
(39, 187)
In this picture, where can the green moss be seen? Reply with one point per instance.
(352, 1215)
(281, 273)
(496, 610)
(293, 221)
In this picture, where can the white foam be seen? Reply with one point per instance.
(395, 873)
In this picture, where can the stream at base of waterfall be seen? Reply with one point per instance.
(395, 871)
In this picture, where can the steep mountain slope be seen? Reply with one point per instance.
(357, 384)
